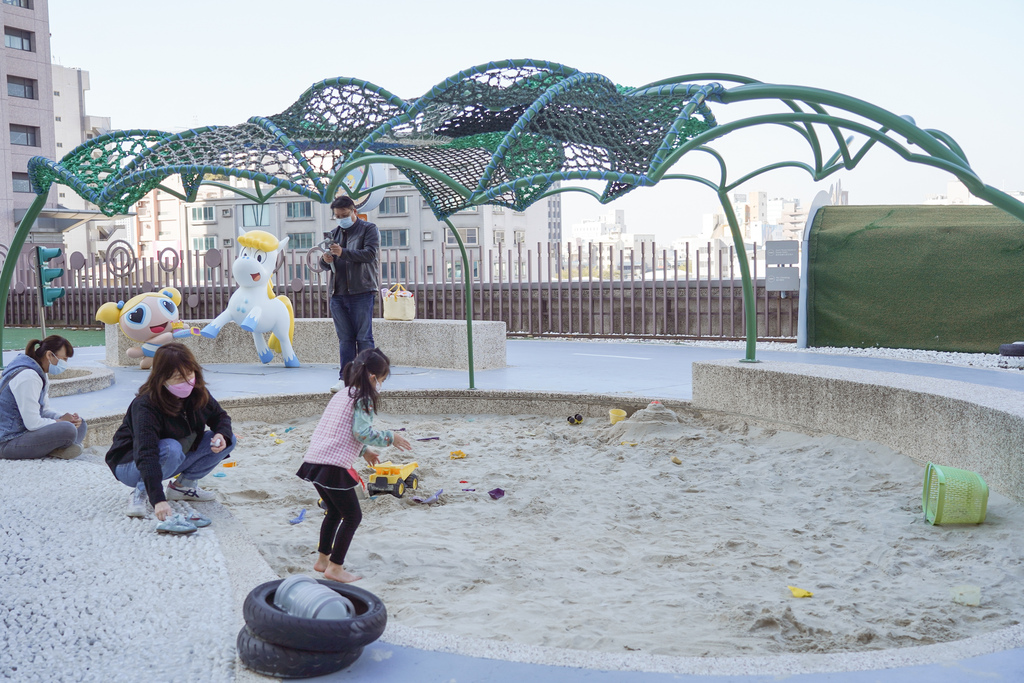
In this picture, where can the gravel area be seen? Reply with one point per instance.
(106, 598)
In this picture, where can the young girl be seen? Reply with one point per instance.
(164, 434)
(342, 436)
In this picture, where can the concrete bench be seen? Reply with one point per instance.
(416, 343)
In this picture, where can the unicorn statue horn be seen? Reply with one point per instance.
(253, 305)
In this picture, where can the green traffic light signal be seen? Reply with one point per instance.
(48, 275)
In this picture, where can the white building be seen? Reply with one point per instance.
(412, 240)
(608, 238)
(957, 193)
(72, 127)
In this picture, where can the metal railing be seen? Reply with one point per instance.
(549, 290)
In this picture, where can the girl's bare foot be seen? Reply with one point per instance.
(321, 563)
(335, 572)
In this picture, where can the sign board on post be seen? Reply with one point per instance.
(781, 252)
(782, 279)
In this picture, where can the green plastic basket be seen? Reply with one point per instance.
(953, 496)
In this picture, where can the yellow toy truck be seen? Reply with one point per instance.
(394, 479)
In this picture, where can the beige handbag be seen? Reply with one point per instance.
(399, 303)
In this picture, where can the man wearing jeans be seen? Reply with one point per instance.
(355, 257)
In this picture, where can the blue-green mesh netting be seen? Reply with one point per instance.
(486, 128)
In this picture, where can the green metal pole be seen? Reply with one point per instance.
(20, 235)
(468, 277)
(749, 305)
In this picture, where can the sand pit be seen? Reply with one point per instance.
(603, 545)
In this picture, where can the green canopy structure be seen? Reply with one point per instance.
(499, 133)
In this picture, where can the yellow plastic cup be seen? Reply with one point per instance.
(616, 415)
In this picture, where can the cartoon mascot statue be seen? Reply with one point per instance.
(150, 320)
(253, 305)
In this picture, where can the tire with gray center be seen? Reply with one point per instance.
(273, 625)
(271, 659)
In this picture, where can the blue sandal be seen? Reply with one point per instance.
(198, 520)
(176, 524)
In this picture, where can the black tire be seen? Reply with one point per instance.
(274, 660)
(412, 482)
(269, 623)
(1011, 349)
(399, 489)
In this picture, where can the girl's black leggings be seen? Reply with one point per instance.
(340, 523)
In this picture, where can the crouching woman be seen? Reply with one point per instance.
(29, 429)
(164, 434)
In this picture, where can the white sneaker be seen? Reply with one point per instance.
(138, 503)
(338, 387)
(193, 493)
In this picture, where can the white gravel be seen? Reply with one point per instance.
(88, 594)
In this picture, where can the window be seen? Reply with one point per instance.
(499, 209)
(520, 236)
(17, 39)
(394, 238)
(27, 136)
(60, 144)
(56, 93)
(393, 205)
(300, 210)
(255, 216)
(202, 214)
(22, 87)
(300, 240)
(499, 236)
(395, 268)
(470, 209)
(21, 182)
(428, 236)
(469, 237)
(26, 4)
(297, 271)
(203, 243)
(430, 270)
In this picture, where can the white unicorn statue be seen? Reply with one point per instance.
(253, 305)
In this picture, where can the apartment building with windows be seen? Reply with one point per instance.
(406, 223)
(26, 113)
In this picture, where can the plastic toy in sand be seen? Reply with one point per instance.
(394, 479)
(456, 455)
(253, 305)
(576, 419)
(150, 320)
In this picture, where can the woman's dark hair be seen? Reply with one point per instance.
(357, 375)
(169, 360)
(37, 349)
(343, 202)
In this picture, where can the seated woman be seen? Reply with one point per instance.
(28, 428)
(164, 434)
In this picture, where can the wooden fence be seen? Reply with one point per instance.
(547, 291)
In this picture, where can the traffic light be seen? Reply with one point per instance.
(48, 295)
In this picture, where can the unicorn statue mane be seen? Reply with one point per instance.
(253, 306)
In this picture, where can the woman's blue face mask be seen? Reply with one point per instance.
(57, 366)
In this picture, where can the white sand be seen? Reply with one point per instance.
(603, 546)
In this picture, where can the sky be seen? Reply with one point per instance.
(954, 66)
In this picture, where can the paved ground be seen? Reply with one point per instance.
(655, 371)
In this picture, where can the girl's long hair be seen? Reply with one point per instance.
(171, 359)
(357, 375)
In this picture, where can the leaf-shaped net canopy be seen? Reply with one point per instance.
(499, 133)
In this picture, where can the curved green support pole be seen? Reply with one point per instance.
(11, 263)
(749, 305)
(467, 275)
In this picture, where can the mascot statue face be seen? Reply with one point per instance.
(254, 265)
(147, 316)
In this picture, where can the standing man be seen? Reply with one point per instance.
(355, 253)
